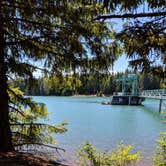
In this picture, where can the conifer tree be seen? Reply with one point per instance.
(45, 35)
(144, 31)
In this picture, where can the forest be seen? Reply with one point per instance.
(85, 84)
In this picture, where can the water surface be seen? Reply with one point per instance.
(104, 125)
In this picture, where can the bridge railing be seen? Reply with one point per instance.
(154, 93)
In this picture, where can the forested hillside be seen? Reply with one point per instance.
(87, 84)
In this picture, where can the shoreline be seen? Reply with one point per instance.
(15, 158)
(27, 159)
(76, 95)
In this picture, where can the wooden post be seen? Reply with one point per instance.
(160, 104)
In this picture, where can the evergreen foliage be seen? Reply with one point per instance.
(143, 34)
(47, 36)
(89, 84)
(27, 131)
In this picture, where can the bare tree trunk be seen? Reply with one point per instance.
(5, 132)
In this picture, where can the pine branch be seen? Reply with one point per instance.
(35, 42)
(17, 110)
(24, 101)
(130, 15)
(29, 124)
(16, 133)
(36, 124)
(40, 144)
(39, 68)
(22, 6)
(27, 39)
(40, 23)
(34, 67)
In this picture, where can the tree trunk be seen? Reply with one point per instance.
(5, 132)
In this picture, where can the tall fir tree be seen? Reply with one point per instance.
(47, 35)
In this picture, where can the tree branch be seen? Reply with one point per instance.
(43, 24)
(28, 124)
(40, 144)
(17, 110)
(130, 15)
(58, 129)
(21, 134)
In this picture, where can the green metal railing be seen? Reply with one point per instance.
(155, 93)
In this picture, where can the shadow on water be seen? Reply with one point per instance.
(151, 107)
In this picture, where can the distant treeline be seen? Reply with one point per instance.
(87, 84)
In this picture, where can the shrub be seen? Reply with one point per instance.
(160, 154)
(121, 156)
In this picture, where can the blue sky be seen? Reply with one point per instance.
(121, 64)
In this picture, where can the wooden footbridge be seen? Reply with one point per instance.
(159, 94)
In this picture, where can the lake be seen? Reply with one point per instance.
(104, 125)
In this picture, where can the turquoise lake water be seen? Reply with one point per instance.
(104, 125)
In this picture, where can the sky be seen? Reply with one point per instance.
(121, 64)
